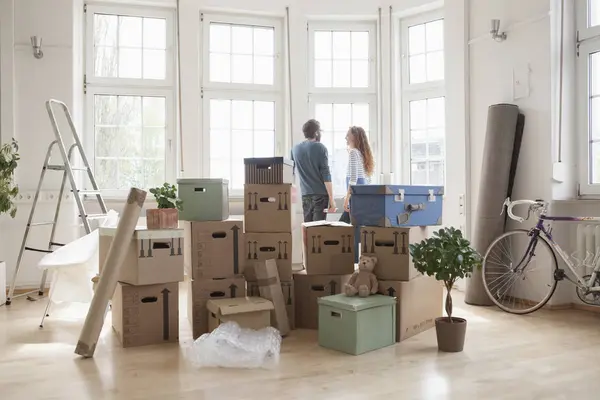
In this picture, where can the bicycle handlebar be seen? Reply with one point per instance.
(510, 204)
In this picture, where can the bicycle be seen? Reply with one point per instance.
(501, 274)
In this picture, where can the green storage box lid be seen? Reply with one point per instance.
(201, 181)
(356, 303)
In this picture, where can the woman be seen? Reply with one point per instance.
(360, 164)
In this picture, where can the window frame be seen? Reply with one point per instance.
(366, 98)
(414, 92)
(240, 91)
(240, 95)
(130, 87)
(140, 12)
(170, 134)
(233, 19)
(318, 25)
(588, 44)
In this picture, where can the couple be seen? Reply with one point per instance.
(311, 162)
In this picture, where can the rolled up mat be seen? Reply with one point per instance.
(500, 155)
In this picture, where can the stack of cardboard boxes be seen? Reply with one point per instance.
(328, 255)
(269, 210)
(389, 218)
(145, 305)
(214, 246)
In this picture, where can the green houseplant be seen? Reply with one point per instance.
(166, 216)
(9, 156)
(447, 256)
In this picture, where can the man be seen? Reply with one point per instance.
(312, 166)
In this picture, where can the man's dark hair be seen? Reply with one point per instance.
(311, 129)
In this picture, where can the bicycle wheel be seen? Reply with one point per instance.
(518, 272)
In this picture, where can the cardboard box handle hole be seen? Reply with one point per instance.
(331, 242)
(161, 245)
(263, 166)
(149, 299)
(267, 199)
(219, 235)
(267, 249)
(317, 288)
(384, 243)
(336, 314)
(217, 294)
(200, 189)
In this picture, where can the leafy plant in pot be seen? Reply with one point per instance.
(447, 256)
(9, 156)
(166, 216)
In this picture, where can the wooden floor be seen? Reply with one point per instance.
(547, 355)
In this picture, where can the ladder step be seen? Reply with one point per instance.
(38, 250)
(62, 168)
(88, 192)
(41, 223)
(94, 216)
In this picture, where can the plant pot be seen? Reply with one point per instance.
(450, 335)
(162, 218)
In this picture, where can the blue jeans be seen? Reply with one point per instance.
(346, 218)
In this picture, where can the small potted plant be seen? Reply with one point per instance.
(447, 256)
(166, 216)
(9, 155)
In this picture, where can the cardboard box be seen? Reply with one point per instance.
(203, 199)
(153, 256)
(149, 314)
(248, 312)
(214, 249)
(287, 288)
(328, 248)
(268, 208)
(271, 170)
(270, 288)
(268, 246)
(390, 246)
(420, 302)
(356, 325)
(307, 289)
(200, 291)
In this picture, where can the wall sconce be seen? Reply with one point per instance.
(495, 31)
(37, 47)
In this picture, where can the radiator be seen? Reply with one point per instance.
(588, 247)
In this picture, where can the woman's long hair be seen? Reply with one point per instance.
(361, 142)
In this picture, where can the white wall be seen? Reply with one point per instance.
(59, 75)
(23, 112)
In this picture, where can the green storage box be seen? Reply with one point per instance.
(204, 199)
(356, 325)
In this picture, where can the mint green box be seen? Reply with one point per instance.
(203, 199)
(356, 325)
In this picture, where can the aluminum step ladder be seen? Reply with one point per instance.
(67, 170)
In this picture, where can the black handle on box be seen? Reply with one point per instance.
(415, 207)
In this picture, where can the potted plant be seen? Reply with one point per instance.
(166, 216)
(447, 256)
(9, 155)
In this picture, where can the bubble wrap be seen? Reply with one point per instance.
(230, 346)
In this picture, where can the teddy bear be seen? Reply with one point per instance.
(363, 281)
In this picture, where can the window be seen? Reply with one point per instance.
(129, 97)
(241, 92)
(343, 88)
(588, 77)
(423, 101)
